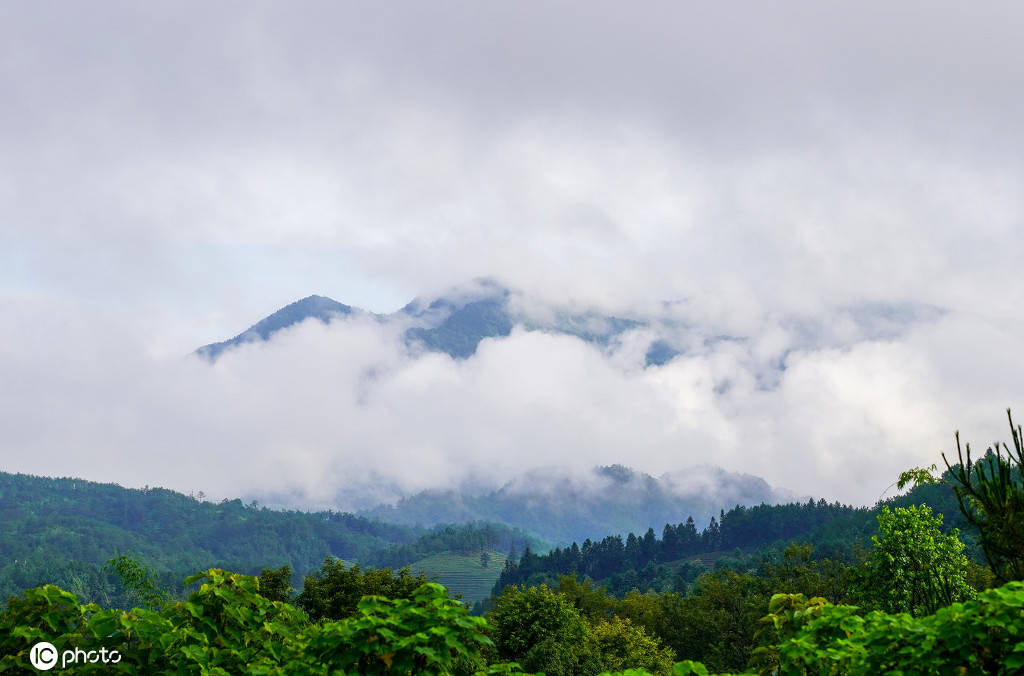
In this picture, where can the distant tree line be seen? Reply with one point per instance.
(739, 528)
(467, 539)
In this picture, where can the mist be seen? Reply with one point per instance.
(820, 201)
(344, 415)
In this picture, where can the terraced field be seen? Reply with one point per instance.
(463, 573)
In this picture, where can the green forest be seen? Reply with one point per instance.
(929, 582)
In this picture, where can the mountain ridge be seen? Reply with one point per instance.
(456, 321)
(319, 307)
(453, 323)
(561, 505)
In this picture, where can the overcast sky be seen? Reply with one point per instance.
(172, 172)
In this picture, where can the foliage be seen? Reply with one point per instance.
(715, 625)
(427, 633)
(138, 581)
(799, 572)
(227, 627)
(545, 630)
(592, 602)
(63, 531)
(470, 538)
(276, 584)
(811, 636)
(723, 612)
(622, 644)
(542, 631)
(990, 493)
(978, 636)
(914, 567)
(670, 563)
(334, 591)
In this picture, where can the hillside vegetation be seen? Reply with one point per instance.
(463, 574)
(63, 531)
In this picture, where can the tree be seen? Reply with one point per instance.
(990, 493)
(485, 559)
(623, 645)
(334, 591)
(799, 572)
(914, 568)
(592, 602)
(542, 631)
(276, 584)
(138, 581)
(715, 625)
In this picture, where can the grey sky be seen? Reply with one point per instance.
(171, 172)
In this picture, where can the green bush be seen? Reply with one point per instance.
(226, 627)
(981, 636)
(985, 635)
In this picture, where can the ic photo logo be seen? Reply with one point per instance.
(44, 656)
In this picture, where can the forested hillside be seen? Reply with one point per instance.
(472, 538)
(62, 531)
(739, 538)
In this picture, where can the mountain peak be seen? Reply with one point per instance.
(321, 307)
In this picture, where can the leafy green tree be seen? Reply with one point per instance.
(138, 581)
(799, 572)
(729, 604)
(334, 591)
(542, 631)
(594, 603)
(276, 583)
(914, 567)
(716, 625)
(624, 645)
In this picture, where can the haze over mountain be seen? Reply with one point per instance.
(455, 394)
(456, 321)
(562, 505)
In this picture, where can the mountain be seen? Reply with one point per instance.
(454, 323)
(457, 326)
(560, 505)
(319, 307)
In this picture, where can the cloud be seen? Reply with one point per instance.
(341, 415)
(612, 155)
(166, 181)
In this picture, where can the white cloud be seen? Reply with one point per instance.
(167, 181)
(331, 414)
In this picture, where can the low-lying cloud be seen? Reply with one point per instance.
(342, 415)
